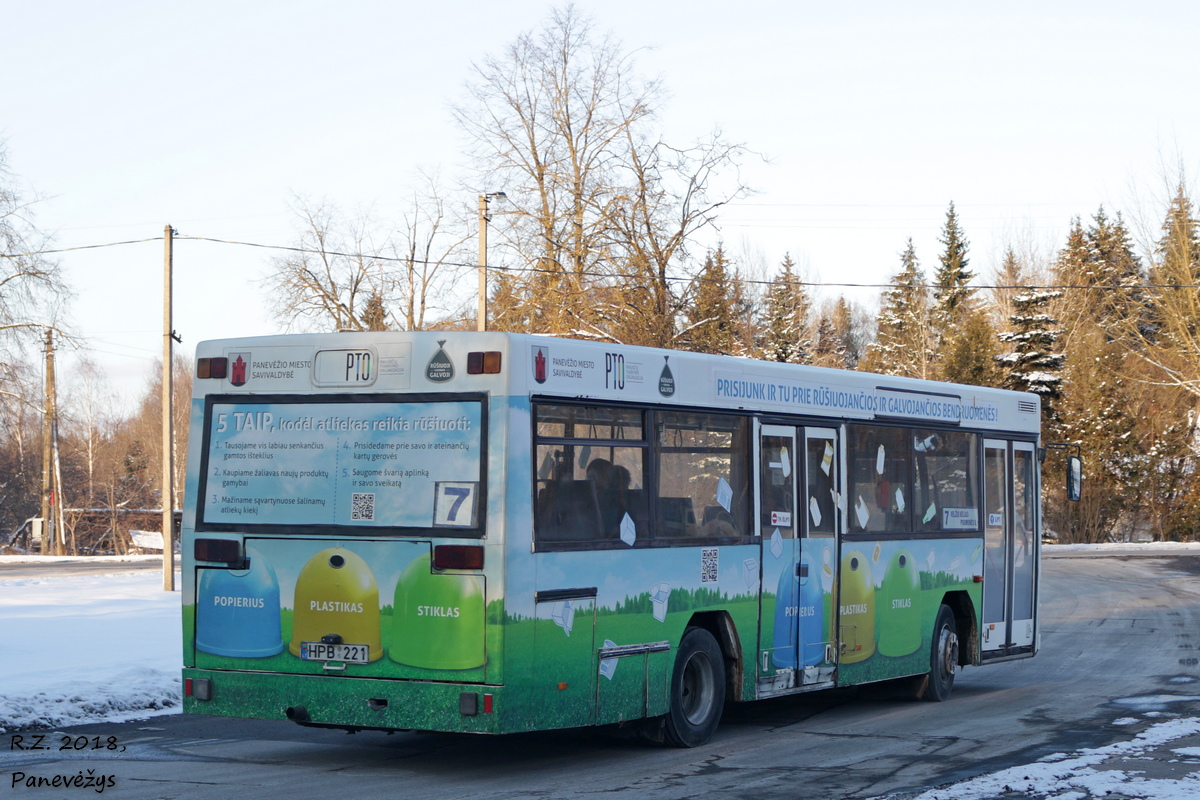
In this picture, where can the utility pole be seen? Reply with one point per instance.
(483, 223)
(484, 218)
(168, 433)
(49, 534)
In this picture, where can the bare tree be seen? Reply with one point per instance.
(354, 273)
(429, 258)
(670, 200)
(603, 207)
(32, 290)
(327, 280)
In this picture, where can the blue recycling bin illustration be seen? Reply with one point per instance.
(787, 599)
(239, 615)
(812, 612)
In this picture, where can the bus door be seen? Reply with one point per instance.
(1011, 546)
(797, 469)
(820, 508)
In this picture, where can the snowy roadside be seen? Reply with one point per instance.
(87, 649)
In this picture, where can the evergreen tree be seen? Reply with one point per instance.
(711, 316)
(1174, 278)
(1099, 310)
(1011, 280)
(951, 283)
(1033, 365)
(968, 353)
(903, 344)
(786, 313)
(1120, 297)
(374, 316)
(829, 349)
(850, 324)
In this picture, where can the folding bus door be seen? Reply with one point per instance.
(776, 463)
(1026, 544)
(1010, 547)
(819, 508)
(797, 502)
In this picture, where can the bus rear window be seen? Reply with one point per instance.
(298, 464)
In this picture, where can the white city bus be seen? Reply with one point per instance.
(491, 532)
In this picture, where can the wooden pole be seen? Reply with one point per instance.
(483, 299)
(168, 433)
(49, 540)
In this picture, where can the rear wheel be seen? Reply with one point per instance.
(943, 658)
(697, 690)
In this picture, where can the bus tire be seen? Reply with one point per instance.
(697, 690)
(943, 658)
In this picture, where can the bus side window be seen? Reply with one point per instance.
(703, 475)
(880, 479)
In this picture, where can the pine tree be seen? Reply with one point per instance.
(829, 349)
(1011, 280)
(852, 331)
(786, 312)
(1117, 270)
(968, 353)
(1033, 365)
(1174, 277)
(711, 316)
(903, 345)
(951, 283)
(374, 316)
(1097, 410)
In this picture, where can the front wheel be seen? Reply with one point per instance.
(943, 658)
(697, 690)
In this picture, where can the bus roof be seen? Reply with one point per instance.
(452, 361)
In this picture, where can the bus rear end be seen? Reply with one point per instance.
(339, 564)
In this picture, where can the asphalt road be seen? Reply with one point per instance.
(80, 566)
(1119, 638)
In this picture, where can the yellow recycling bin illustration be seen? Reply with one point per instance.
(336, 597)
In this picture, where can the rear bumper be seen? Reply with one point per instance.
(349, 702)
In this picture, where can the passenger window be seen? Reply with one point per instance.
(704, 482)
(880, 485)
(944, 478)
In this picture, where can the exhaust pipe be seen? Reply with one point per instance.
(298, 714)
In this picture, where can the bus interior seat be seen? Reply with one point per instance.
(569, 511)
(676, 517)
(718, 522)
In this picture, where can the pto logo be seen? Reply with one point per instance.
(239, 366)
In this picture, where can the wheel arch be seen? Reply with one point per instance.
(967, 624)
(720, 625)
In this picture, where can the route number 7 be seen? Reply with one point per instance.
(454, 504)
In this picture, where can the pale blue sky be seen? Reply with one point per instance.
(874, 115)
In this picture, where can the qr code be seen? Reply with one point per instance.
(708, 565)
(362, 506)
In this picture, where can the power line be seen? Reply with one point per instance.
(592, 273)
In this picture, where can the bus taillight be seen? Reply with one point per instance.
(211, 367)
(226, 550)
(485, 363)
(457, 556)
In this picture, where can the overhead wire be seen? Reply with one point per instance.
(589, 273)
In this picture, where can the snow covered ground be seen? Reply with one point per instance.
(99, 648)
(87, 649)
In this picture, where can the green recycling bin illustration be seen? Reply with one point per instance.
(900, 607)
(437, 619)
